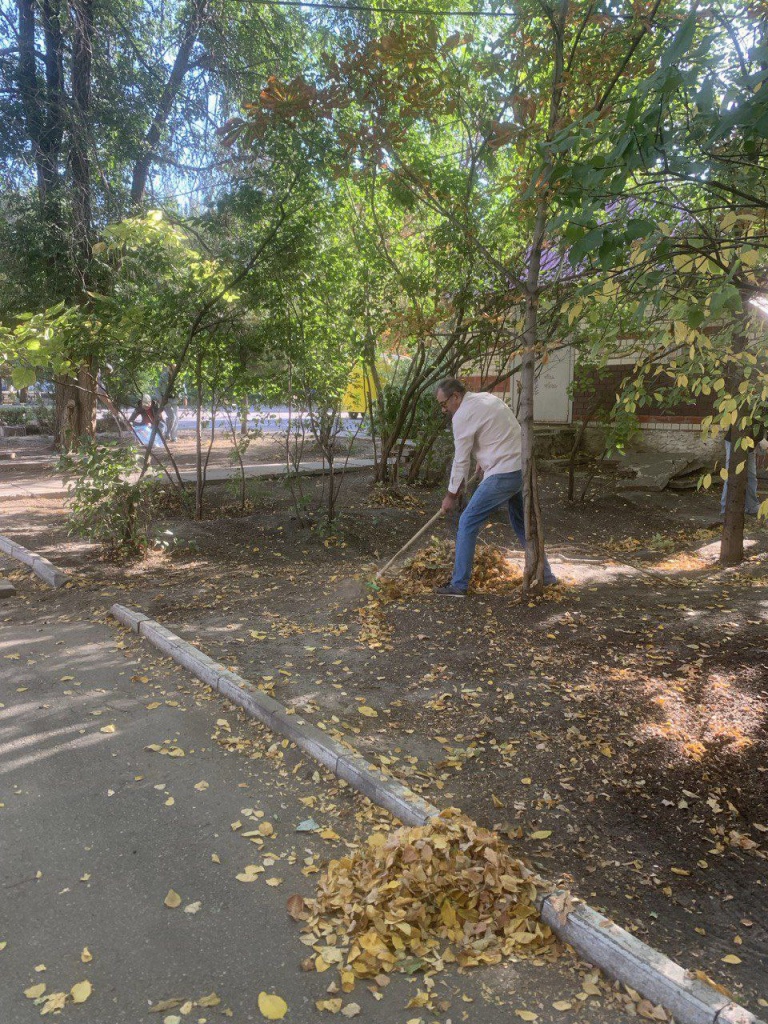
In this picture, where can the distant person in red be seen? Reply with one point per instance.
(147, 413)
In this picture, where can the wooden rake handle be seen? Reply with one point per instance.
(420, 533)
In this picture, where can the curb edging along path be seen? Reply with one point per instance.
(593, 936)
(46, 570)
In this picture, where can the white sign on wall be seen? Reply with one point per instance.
(551, 401)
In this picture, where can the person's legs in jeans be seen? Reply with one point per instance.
(492, 492)
(517, 519)
(751, 501)
(172, 412)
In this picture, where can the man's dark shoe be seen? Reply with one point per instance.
(450, 591)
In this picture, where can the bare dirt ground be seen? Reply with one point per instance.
(616, 730)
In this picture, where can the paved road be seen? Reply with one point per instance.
(95, 829)
(55, 486)
(270, 420)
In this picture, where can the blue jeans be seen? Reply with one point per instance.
(492, 493)
(751, 501)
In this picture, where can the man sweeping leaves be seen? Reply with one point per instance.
(484, 428)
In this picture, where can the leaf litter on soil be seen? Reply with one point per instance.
(422, 897)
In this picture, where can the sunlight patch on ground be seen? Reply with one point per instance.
(716, 716)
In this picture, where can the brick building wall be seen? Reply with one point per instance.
(605, 386)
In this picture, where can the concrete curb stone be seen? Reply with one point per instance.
(345, 763)
(643, 968)
(598, 939)
(40, 566)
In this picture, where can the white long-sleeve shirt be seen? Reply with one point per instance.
(484, 427)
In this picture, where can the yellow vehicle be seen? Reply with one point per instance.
(360, 388)
(356, 397)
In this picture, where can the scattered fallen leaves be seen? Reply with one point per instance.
(172, 900)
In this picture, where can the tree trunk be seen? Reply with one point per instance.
(534, 534)
(170, 92)
(534, 537)
(75, 408)
(199, 482)
(79, 160)
(732, 539)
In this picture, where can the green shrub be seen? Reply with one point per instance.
(13, 415)
(105, 505)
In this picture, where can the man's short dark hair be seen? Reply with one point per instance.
(451, 386)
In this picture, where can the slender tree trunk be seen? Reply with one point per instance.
(199, 438)
(534, 534)
(732, 539)
(79, 160)
(534, 537)
(175, 81)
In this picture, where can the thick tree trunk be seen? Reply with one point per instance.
(75, 408)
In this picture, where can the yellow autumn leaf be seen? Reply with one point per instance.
(86, 956)
(108, 728)
(731, 958)
(272, 1007)
(35, 991)
(562, 1004)
(541, 834)
(54, 1002)
(368, 712)
(274, 881)
(527, 1014)
(172, 900)
(81, 991)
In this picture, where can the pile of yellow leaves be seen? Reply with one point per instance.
(492, 572)
(386, 497)
(420, 898)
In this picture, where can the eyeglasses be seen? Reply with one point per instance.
(445, 402)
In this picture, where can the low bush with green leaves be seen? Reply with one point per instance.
(108, 503)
